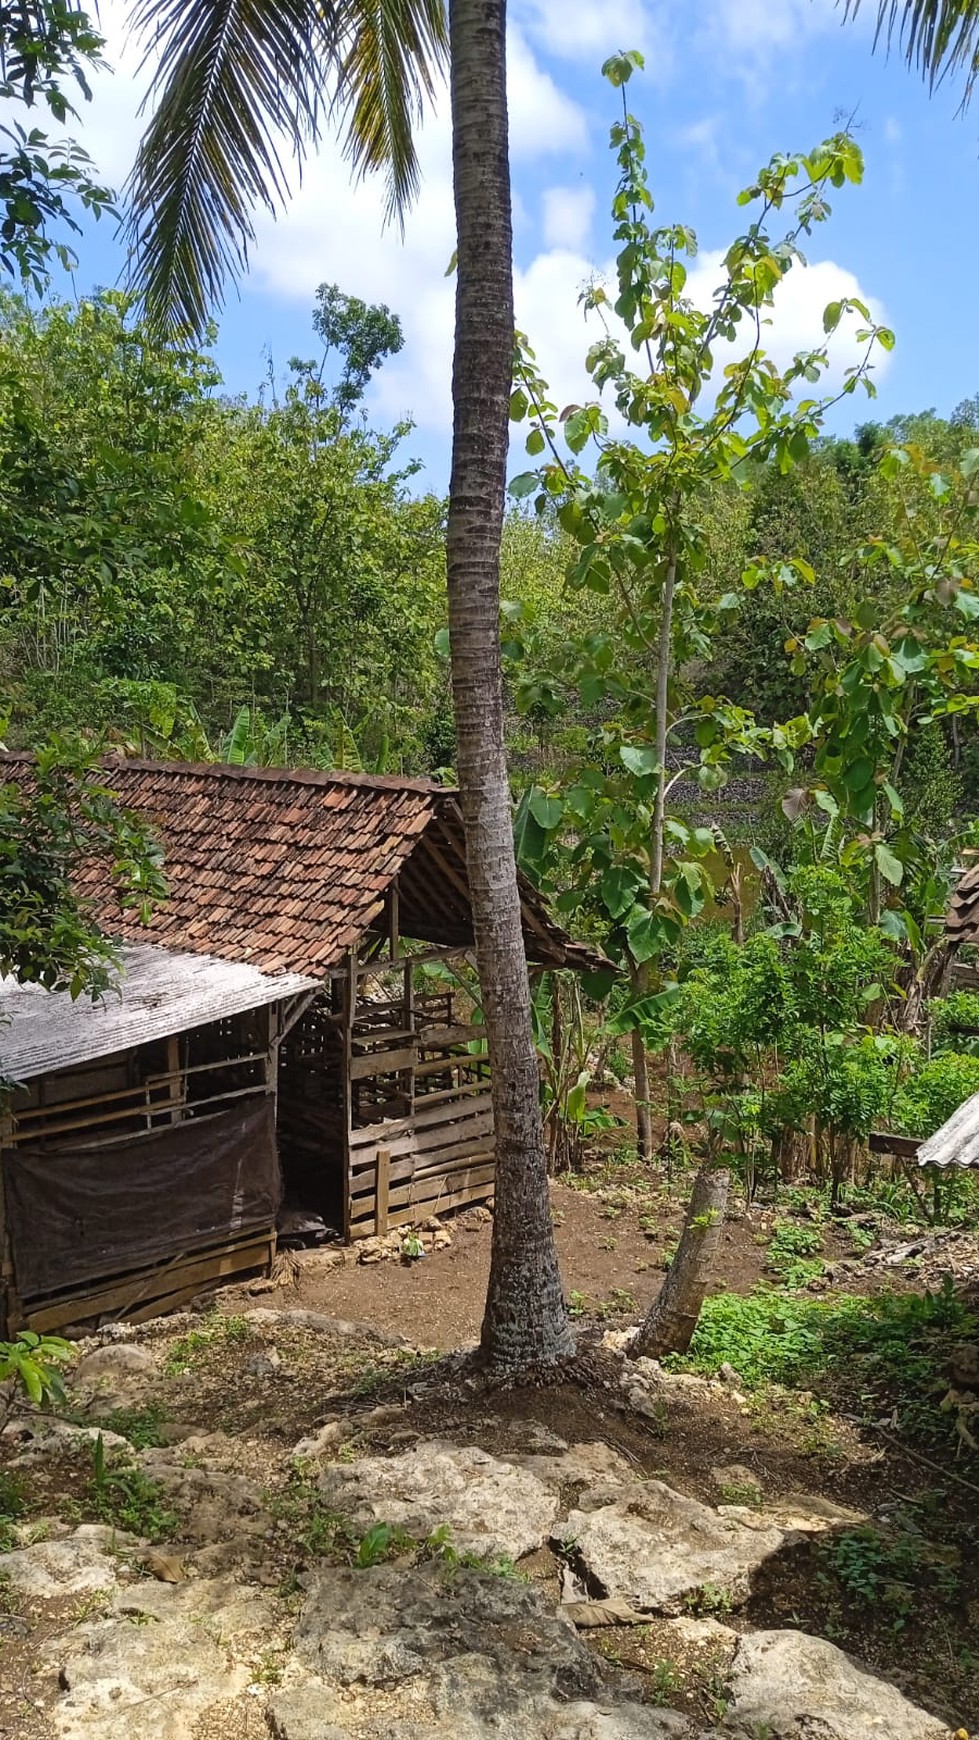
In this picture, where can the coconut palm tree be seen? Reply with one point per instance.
(235, 78)
(939, 37)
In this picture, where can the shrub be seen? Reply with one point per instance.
(928, 1098)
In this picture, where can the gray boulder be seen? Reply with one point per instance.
(795, 1687)
(492, 1508)
(660, 1548)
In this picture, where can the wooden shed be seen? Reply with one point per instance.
(289, 1023)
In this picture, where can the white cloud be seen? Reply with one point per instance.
(548, 312)
(334, 231)
(546, 297)
(703, 138)
(568, 212)
(582, 30)
(756, 27)
(543, 119)
(795, 322)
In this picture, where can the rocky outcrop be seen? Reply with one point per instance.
(660, 1550)
(802, 1688)
(491, 1508)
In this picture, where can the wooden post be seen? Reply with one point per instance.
(394, 919)
(6, 1250)
(349, 1016)
(383, 1190)
(272, 1050)
(176, 1080)
(409, 1022)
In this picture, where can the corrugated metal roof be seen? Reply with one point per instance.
(287, 869)
(957, 1142)
(159, 992)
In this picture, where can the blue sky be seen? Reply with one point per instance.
(727, 83)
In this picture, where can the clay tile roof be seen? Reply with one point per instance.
(286, 869)
(962, 918)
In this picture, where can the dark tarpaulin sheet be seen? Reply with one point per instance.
(78, 1213)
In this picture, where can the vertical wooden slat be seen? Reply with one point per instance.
(176, 1085)
(349, 1015)
(394, 919)
(272, 1015)
(409, 1022)
(7, 1278)
(382, 1191)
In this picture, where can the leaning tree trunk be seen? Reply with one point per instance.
(672, 1317)
(526, 1322)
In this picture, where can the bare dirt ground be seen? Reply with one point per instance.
(614, 1242)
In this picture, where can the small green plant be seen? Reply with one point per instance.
(620, 1303)
(861, 1237)
(188, 1349)
(709, 1599)
(577, 1303)
(382, 1541)
(35, 1364)
(13, 1504)
(791, 1254)
(744, 1493)
(141, 1426)
(411, 1248)
(125, 1497)
(665, 1681)
(889, 1571)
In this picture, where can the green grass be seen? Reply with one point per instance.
(140, 1426)
(891, 1572)
(188, 1349)
(891, 1351)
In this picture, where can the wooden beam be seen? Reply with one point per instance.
(149, 1284)
(394, 928)
(383, 1188)
(381, 1063)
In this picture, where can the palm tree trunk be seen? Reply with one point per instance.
(526, 1324)
(672, 1317)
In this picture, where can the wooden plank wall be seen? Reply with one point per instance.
(420, 1136)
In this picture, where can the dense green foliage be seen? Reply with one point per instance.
(722, 590)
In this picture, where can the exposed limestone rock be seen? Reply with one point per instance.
(41, 1435)
(802, 1688)
(389, 1624)
(264, 1317)
(162, 1657)
(116, 1376)
(798, 1512)
(493, 1508)
(465, 1655)
(79, 1563)
(469, 1700)
(660, 1548)
(321, 1445)
(212, 1502)
(734, 1475)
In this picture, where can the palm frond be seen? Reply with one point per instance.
(939, 37)
(241, 86)
(388, 76)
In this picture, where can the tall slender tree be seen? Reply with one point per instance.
(526, 1322)
(232, 80)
